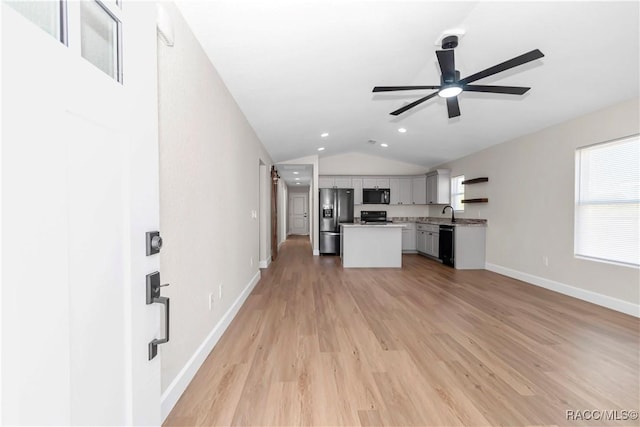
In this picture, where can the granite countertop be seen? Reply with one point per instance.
(466, 222)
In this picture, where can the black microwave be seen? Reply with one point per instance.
(375, 196)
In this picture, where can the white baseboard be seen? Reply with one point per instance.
(316, 252)
(583, 294)
(181, 381)
(264, 263)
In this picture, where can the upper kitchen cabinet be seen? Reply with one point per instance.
(326, 182)
(356, 183)
(394, 187)
(403, 191)
(405, 197)
(418, 189)
(376, 183)
(342, 182)
(334, 182)
(439, 187)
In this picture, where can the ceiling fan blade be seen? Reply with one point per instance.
(453, 108)
(393, 88)
(514, 62)
(447, 63)
(511, 90)
(413, 104)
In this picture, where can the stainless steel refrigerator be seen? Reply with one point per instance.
(336, 207)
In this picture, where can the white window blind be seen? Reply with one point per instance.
(608, 201)
(457, 193)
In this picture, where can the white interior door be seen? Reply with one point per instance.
(79, 191)
(298, 213)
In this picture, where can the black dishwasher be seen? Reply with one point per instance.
(446, 244)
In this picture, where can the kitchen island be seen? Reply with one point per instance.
(371, 245)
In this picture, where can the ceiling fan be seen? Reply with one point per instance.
(451, 85)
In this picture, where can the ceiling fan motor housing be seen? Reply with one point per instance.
(450, 42)
(449, 79)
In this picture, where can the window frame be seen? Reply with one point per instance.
(115, 13)
(578, 201)
(454, 193)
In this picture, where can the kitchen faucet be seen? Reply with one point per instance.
(453, 217)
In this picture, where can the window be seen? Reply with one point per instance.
(457, 193)
(608, 202)
(48, 15)
(100, 29)
(100, 36)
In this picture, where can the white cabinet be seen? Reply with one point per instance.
(409, 237)
(382, 183)
(469, 248)
(428, 239)
(394, 187)
(375, 183)
(326, 182)
(417, 190)
(342, 182)
(421, 241)
(406, 196)
(439, 187)
(356, 183)
(401, 191)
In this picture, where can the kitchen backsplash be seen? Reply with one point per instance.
(395, 210)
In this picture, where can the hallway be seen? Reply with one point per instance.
(315, 344)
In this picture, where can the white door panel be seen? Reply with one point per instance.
(80, 178)
(298, 213)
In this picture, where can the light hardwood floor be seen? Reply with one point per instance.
(426, 345)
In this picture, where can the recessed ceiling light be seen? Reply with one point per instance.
(297, 179)
(324, 135)
(402, 130)
(296, 173)
(321, 149)
(297, 183)
(383, 145)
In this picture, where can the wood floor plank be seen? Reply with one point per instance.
(318, 345)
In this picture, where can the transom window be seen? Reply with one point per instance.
(92, 27)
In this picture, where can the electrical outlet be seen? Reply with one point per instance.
(545, 261)
(211, 301)
(220, 291)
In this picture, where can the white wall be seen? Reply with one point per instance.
(264, 212)
(209, 186)
(283, 211)
(365, 164)
(531, 203)
(394, 211)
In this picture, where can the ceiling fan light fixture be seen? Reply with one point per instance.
(449, 91)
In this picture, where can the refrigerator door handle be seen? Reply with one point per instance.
(329, 233)
(336, 203)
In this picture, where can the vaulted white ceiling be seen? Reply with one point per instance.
(300, 68)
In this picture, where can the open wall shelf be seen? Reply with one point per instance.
(475, 201)
(475, 180)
